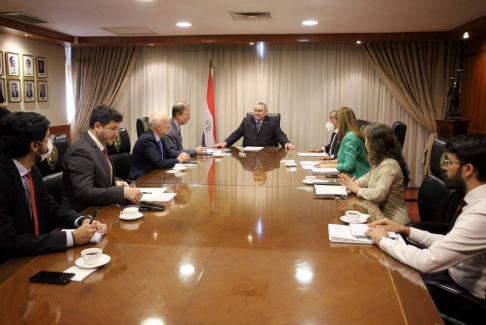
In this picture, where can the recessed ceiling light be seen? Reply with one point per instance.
(310, 22)
(151, 45)
(252, 43)
(466, 35)
(303, 40)
(183, 24)
(28, 35)
(358, 42)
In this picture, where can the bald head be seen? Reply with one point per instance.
(159, 124)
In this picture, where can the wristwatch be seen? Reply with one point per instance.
(80, 220)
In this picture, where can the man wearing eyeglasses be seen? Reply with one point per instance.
(461, 254)
(28, 213)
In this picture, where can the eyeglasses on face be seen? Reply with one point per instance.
(448, 162)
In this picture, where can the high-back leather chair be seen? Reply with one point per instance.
(436, 203)
(120, 154)
(271, 115)
(400, 130)
(142, 125)
(51, 168)
(362, 124)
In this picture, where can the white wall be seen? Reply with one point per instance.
(55, 108)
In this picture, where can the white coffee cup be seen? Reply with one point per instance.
(353, 216)
(179, 166)
(310, 178)
(217, 153)
(91, 255)
(130, 212)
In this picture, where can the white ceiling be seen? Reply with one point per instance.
(210, 17)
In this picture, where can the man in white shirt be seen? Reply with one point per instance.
(462, 252)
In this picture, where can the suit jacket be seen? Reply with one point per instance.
(86, 177)
(29, 94)
(146, 156)
(15, 93)
(173, 141)
(352, 156)
(16, 224)
(270, 133)
(333, 147)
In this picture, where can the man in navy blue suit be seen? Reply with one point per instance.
(150, 153)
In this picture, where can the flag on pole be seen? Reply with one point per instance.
(209, 127)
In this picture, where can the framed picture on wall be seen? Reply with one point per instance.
(12, 64)
(41, 67)
(1, 63)
(14, 91)
(28, 65)
(42, 91)
(29, 91)
(3, 93)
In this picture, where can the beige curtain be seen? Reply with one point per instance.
(417, 75)
(98, 76)
(303, 82)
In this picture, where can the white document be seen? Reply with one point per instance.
(166, 197)
(209, 151)
(252, 148)
(312, 154)
(359, 229)
(325, 171)
(94, 240)
(152, 194)
(308, 164)
(79, 272)
(342, 234)
(328, 190)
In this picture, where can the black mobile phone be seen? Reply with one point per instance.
(52, 277)
(147, 206)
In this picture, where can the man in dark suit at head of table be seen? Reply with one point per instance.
(258, 130)
(28, 213)
(89, 174)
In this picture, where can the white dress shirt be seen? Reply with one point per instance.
(462, 250)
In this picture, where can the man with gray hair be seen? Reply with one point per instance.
(173, 141)
(150, 153)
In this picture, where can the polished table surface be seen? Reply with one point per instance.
(225, 251)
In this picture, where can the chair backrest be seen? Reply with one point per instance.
(362, 124)
(120, 154)
(276, 115)
(142, 125)
(53, 163)
(435, 201)
(53, 183)
(400, 130)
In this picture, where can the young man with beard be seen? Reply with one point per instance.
(28, 213)
(461, 254)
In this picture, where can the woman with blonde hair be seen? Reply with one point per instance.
(351, 157)
(389, 174)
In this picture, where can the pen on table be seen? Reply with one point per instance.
(94, 216)
(146, 192)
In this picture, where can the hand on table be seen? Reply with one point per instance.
(349, 183)
(376, 234)
(326, 158)
(121, 183)
(101, 227)
(183, 157)
(289, 146)
(316, 150)
(200, 150)
(390, 225)
(83, 234)
(219, 145)
(133, 194)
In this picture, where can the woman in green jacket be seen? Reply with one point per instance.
(352, 157)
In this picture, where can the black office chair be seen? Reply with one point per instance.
(51, 168)
(456, 305)
(120, 154)
(436, 203)
(270, 115)
(142, 125)
(362, 124)
(400, 130)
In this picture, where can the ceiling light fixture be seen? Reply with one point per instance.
(310, 23)
(358, 42)
(466, 35)
(303, 40)
(28, 35)
(183, 24)
(151, 45)
(252, 43)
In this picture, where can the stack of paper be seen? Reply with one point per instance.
(152, 194)
(308, 164)
(249, 148)
(330, 191)
(342, 234)
(325, 171)
(359, 229)
(312, 154)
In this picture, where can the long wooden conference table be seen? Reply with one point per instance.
(242, 242)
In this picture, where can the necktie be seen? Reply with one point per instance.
(161, 149)
(180, 140)
(259, 125)
(461, 205)
(32, 202)
(105, 152)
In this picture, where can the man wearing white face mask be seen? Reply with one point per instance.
(333, 147)
(28, 213)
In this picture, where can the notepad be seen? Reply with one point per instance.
(325, 171)
(342, 234)
(312, 154)
(308, 164)
(249, 148)
(359, 229)
(152, 194)
(330, 191)
(94, 240)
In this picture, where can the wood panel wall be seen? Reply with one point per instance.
(61, 129)
(473, 99)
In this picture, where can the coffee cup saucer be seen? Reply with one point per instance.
(290, 164)
(180, 168)
(360, 220)
(104, 259)
(309, 182)
(123, 217)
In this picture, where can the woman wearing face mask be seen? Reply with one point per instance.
(351, 158)
(389, 174)
(333, 147)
